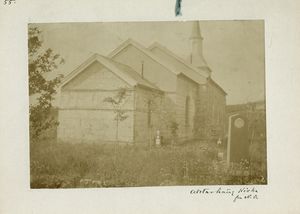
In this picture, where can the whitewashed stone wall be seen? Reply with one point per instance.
(96, 76)
(145, 130)
(186, 88)
(85, 117)
(92, 99)
(83, 114)
(93, 126)
(211, 114)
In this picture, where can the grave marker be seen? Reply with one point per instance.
(238, 142)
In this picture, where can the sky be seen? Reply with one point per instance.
(234, 50)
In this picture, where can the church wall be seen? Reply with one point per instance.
(92, 99)
(93, 126)
(148, 116)
(186, 111)
(152, 70)
(90, 87)
(169, 114)
(95, 76)
(83, 114)
(211, 113)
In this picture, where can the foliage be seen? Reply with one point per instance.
(92, 165)
(118, 101)
(41, 63)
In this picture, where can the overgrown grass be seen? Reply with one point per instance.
(58, 165)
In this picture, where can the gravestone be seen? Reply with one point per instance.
(238, 142)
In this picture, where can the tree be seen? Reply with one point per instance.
(117, 102)
(41, 63)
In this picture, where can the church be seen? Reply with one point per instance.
(163, 94)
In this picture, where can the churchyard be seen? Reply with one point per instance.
(55, 164)
(59, 165)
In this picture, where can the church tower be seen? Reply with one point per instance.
(196, 39)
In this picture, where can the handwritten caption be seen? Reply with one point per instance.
(240, 193)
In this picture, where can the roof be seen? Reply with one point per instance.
(134, 74)
(217, 86)
(169, 66)
(123, 71)
(192, 72)
(128, 42)
(132, 77)
(189, 66)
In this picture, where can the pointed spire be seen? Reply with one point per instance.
(196, 33)
(197, 58)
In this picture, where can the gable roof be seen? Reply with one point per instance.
(210, 80)
(178, 59)
(123, 71)
(190, 66)
(133, 74)
(135, 44)
(169, 66)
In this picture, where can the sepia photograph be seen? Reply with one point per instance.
(133, 104)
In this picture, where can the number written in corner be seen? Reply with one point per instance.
(9, 2)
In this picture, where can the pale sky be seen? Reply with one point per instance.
(234, 50)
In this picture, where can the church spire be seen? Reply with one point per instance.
(196, 33)
(197, 58)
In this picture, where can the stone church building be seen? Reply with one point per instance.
(162, 92)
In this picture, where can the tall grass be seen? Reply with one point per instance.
(58, 165)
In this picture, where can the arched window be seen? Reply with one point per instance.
(187, 111)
